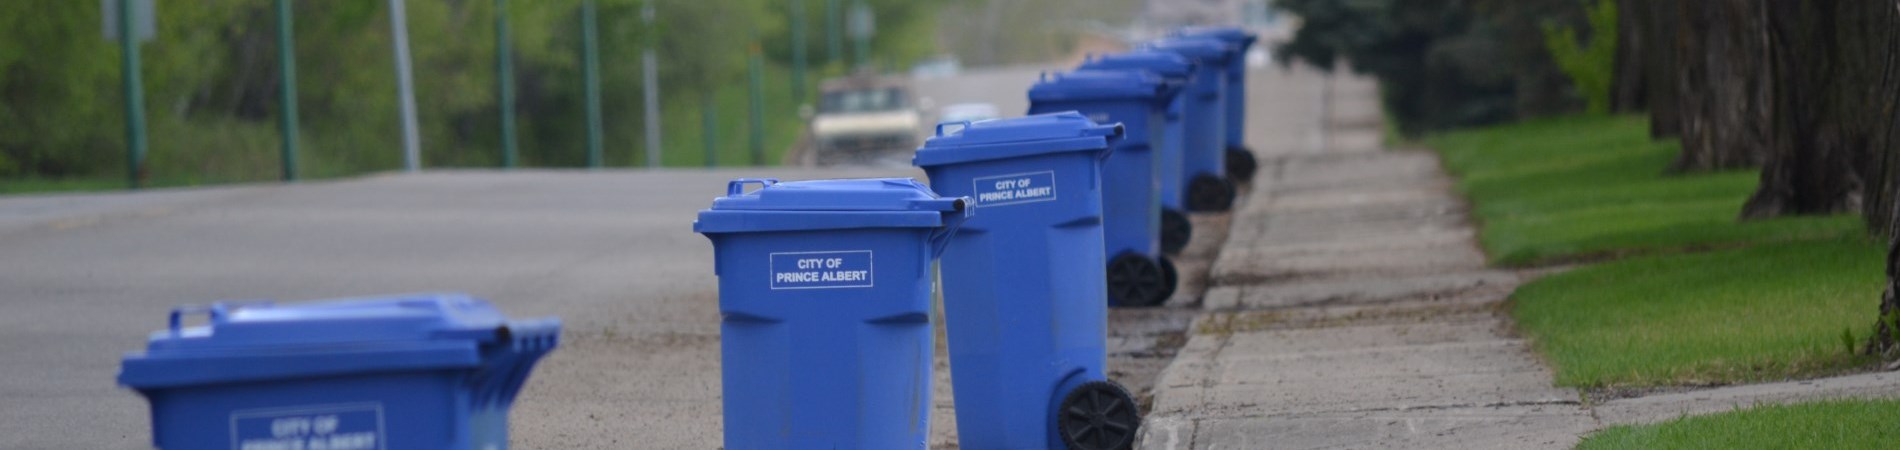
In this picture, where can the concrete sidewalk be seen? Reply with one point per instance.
(1350, 308)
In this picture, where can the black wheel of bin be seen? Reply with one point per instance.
(1176, 230)
(1241, 164)
(1098, 415)
(1208, 193)
(1169, 278)
(1135, 280)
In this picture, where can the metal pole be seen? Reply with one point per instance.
(505, 85)
(798, 52)
(862, 41)
(405, 87)
(134, 97)
(287, 68)
(590, 72)
(709, 123)
(651, 84)
(756, 132)
(834, 32)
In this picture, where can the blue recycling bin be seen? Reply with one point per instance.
(1203, 122)
(825, 305)
(421, 371)
(1138, 273)
(1023, 283)
(1241, 164)
(1176, 230)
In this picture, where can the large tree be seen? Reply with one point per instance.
(1722, 84)
(1645, 74)
(1868, 35)
(1815, 141)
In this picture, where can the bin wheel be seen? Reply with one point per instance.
(1208, 193)
(1169, 278)
(1098, 415)
(1135, 280)
(1241, 164)
(1176, 230)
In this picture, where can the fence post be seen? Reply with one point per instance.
(649, 66)
(405, 87)
(505, 85)
(134, 97)
(590, 61)
(287, 68)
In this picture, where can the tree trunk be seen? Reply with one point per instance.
(1632, 52)
(1870, 33)
(1660, 38)
(1813, 148)
(1723, 85)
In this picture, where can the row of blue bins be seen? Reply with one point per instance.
(1037, 223)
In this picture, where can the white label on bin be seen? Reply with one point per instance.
(1016, 188)
(353, 426)
(821, 270)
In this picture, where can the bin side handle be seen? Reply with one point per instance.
(961, 125)
(961, 211)
(216, 312)
(736, 187)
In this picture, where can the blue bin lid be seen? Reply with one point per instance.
(1206, 50)
(1164, 63)
(255, 341)
(1103, 85)
(1239, 37)
(1015, 137)
(825, 204)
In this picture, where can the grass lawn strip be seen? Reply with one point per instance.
(1763, 313)
(1835, 425)
(1587, 188)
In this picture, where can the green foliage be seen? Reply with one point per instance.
(1000, 32)
(211, 82)
(1585, 188)
(1762, 313)
(1441, 63)
(1590, 67)
(1829, 425)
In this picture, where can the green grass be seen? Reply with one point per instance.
(1832, 425)
(1585, 188)
(1762, 313)
(43, 185)
(27, 186)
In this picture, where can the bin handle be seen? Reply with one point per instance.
(964, 123)
(216, 312)
(960, 211)
(737, 186)
(1111, 131)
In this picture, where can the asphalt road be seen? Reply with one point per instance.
(612, 253)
